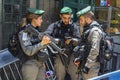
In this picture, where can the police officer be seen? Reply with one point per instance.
(64, 30)
(90, 40)
(33, 68)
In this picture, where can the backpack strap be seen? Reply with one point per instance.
(56, 29)
(71, 29)
(95, 27)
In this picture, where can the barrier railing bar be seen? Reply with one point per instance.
(51, 78)
(5, 73)
(51, 64)
(47, 66)
(12, 72)
(9, 63)
(54, 78)
(18, 71)
(118, 63)
(117, 43)
(0, 78)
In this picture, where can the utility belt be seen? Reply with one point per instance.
(82, 51)
(42, 56)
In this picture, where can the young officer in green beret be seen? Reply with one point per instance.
(64, 30)
(90, 38)
(33, 68)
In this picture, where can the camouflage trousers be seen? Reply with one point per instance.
(60, 69)
(93, 72)
(33, 70)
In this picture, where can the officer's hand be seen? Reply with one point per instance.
(44, 66)
(76, 62)
(45, 40)
(85, 70)
(67, 41)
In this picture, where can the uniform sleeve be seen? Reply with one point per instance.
(50, 29)
(94, 51)
(27, 46)
(76, 31)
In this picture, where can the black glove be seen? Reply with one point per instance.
(78, 59)
(85, 70)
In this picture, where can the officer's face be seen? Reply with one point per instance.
(65, 18)
(38, 21)
(82, 21)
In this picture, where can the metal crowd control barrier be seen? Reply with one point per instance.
(9, 68)
(50, 67)
(116, 53)
(114, 63)
(109, 76)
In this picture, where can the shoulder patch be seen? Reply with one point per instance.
(24, 36)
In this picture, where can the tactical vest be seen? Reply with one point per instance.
(85, 45)
(16, 50)
(85, 42)
(104, 46)
(40, 55)
(61, 31)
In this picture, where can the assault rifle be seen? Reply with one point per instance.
(33, 31)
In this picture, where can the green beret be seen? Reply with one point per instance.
(84, 11)
(66, 10)
(35, 11)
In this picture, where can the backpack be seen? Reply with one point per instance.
(105, 50)
(15, 48)
(106, 53)
(106, 45)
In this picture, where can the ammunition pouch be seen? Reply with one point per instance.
(80, 52)
(108, 55)
(106, 49)
(42, 56)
